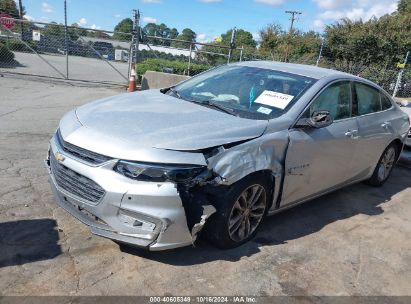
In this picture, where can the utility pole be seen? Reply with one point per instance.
(134, 42)
(293, 18)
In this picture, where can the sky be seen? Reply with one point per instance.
(208, 18)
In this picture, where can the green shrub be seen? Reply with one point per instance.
(5, 54)
(16, 45)
(179, 67)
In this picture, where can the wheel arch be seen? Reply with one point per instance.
(399, 144)
(273, 182)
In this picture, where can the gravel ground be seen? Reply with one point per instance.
(355, 241)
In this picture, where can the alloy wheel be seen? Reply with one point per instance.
(386, 164)
(247, 213)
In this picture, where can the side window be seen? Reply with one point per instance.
(385, 102)
(368, 99)
(336, 99)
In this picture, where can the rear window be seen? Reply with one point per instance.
(368, 99)
(385, 102)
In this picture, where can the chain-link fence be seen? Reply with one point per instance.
(396, 81)
(75, 53)
(53, 50)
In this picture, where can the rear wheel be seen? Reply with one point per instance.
(384, 166)
(241, 210)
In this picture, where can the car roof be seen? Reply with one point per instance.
(294, 68)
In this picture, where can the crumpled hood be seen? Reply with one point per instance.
(150, 119)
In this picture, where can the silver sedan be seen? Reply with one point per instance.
(220, 151)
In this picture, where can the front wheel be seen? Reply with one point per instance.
(384, 166)
(240, 212)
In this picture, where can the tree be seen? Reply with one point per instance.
(242, 38)
(123, 30)
(353, 46)
(9, 7)
(404, 7)
(76, 31)
(186, 35)
(53, 29)
(271, 37)
(174, 33)
(159, 30)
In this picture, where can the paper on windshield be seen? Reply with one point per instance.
(264, 110)
(274, 99)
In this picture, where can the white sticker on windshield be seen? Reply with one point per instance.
(274, 99)
(264, 110)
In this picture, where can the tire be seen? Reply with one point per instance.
(235, 208)
(384, 166)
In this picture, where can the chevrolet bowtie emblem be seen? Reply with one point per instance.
(59, 157)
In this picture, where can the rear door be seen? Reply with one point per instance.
(375, 126)
(320, 159)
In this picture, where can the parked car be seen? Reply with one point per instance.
(407, 109)
(104, 49)
(221, 151)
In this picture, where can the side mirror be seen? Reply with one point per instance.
(318, 119)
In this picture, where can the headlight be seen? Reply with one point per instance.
(158, 172)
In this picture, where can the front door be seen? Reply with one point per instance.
(320, 159)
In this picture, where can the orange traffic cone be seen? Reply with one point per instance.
(132, 81)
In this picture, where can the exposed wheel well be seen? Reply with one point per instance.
(268, 175)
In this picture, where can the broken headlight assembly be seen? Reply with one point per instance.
(158, 172)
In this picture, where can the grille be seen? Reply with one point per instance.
(86, 155)
(74, 183)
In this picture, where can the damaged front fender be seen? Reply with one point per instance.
(263, 153)
(227, 166)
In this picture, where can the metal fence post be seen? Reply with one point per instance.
(21, 18)
(399, 77)
(189, 59)
(66, 38)
(134, 43)
(320, 54)
(232, 44)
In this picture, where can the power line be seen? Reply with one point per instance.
(293, 17)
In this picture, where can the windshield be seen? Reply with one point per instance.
(247, 92)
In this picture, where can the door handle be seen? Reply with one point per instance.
(386, 125)
(352, 133)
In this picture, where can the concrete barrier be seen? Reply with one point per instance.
(158, 80)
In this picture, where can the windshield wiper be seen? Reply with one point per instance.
(173, 90)
(207, 103)
(217, 106)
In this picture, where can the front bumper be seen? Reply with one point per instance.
(144, 214)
